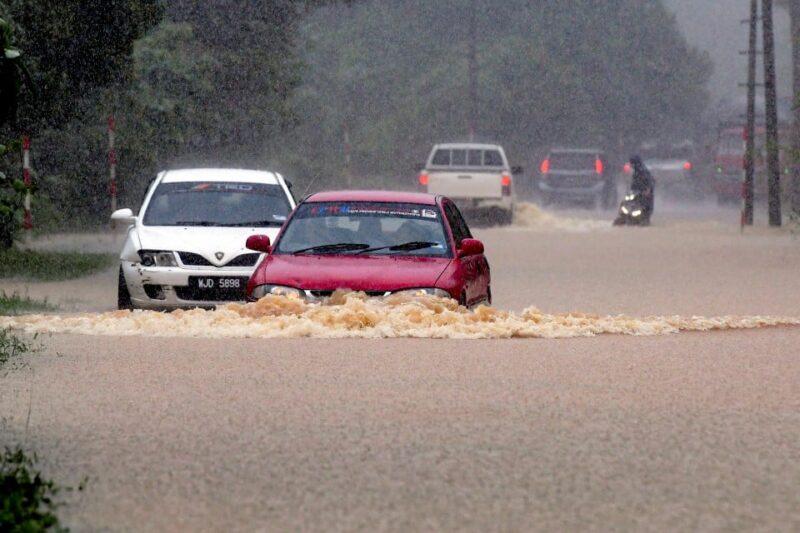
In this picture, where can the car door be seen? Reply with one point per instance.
(471, 266)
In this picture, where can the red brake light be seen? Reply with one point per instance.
(627, 168)
(598, 166)
(423, 179)
(545, 168)
(687, 166)
(505, 181)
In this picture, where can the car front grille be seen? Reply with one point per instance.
(326, 294)
(244, 260)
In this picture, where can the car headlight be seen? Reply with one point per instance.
(625, 210)
(157, 258)
(637, 213)
(429, 291)
(277, 290)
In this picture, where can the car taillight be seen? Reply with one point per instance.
(423, 179)
(687, 166)
(627, 168)
(545, 168)
(505, 181)
(598, 166)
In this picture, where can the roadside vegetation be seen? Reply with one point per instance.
(15, 304)
(28, 500)
(50, 266)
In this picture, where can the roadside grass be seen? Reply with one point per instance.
(14, 304)
(50, 266)
(27, 499)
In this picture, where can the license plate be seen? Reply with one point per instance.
(214, 283)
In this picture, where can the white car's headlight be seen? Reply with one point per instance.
(278, 290)
(430, 291)
(157, 258)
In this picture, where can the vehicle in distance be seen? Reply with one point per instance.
(576, 174)
(476, 177)
(187, 246)
(672, 167)
(375, 242)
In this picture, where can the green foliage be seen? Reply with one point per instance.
(10, 347)
(50, 266)
(14, 304)
(27, 499)
(12, 196)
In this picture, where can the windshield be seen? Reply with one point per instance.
(206, 203)
(365, 228)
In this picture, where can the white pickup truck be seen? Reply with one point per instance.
(476, 177)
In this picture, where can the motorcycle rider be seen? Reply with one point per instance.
(644, 184)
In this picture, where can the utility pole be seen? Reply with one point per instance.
(472, 59)
(771, 97)
(750, 132)
(794, 13)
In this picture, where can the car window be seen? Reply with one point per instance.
(475, 158)
(373, 224)
(458, 158)
(492, 158)
(457, 223)
(441, 158)
(210, 203)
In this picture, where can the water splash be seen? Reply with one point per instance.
(531, 216)
(354, 315)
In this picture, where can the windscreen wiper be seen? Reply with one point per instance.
(196, 223)
(256, 224)
(404, 247)
(330, 248)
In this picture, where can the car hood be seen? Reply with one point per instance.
(207, 242)
(358, 273)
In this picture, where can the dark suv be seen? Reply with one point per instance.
(577, 174)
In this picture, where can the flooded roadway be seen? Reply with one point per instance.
(688, 431)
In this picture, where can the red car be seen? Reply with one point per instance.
(376, 242)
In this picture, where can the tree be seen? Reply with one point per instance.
(394, 75)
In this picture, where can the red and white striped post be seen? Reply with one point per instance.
(112, 162)
(27, 221)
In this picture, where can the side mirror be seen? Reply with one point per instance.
(259, 243)
(124, 216)
(289, 184)
(517, 170)
(470, 247)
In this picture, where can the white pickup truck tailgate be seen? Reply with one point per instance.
(465, 184)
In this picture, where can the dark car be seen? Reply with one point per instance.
(577, 175)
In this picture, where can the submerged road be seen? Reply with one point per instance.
(688, 431)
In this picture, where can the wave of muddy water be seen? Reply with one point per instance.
(354, 315)
(530, 216)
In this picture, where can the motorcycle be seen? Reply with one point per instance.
(633, 210)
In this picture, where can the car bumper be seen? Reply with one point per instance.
(573, 192)
(171, 280)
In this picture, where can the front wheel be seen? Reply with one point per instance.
(124, 302)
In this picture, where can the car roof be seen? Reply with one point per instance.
(219, 174)
(373, 196)
(474, 146)
(576, 151)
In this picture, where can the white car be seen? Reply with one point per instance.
(476, 177)
(186, 247)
